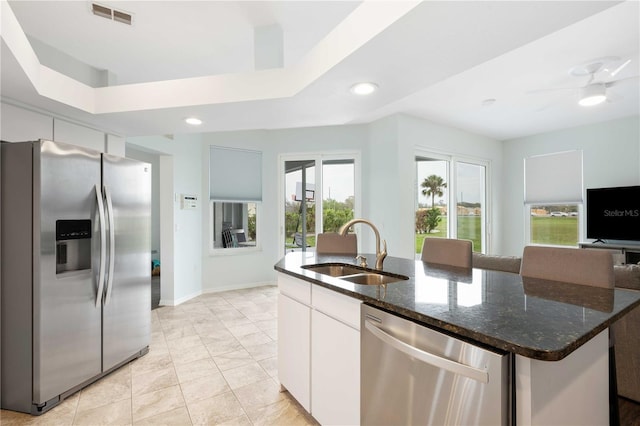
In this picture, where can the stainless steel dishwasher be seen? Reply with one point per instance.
(413, 375)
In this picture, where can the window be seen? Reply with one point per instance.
(235, 185)
(553, 198)
(554, 224)
(442, 182)
(329, 199)
(234, 224)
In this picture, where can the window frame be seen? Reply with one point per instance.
(549, 173)
(237, 154)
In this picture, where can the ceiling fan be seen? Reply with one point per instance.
(601, 73)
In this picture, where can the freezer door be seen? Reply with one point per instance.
(127, 300)
(67, 344)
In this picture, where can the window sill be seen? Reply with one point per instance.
(234, 251)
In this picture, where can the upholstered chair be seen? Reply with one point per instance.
(332, 243)
(496, 263)
(570, 265)
(445, 251)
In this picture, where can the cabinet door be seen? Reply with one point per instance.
(294, 347)
(21, 125)
(335, 371)
(64, 131)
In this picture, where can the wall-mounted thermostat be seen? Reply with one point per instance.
(188, 202)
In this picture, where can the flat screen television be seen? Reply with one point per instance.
(613, 213)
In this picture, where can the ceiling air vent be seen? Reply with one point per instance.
(113, 14)
(123, 17)
(103, 11)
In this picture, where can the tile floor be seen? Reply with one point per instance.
(212, 361)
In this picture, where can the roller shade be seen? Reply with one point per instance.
(553, 178)
(235, 174)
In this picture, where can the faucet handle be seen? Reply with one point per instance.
(363, 260)
(381, 255)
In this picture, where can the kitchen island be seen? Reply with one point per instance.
(557, 333)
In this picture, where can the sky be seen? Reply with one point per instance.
(338, 181)
(469, 176)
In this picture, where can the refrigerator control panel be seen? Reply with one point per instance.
(73, 245)
(73, 229)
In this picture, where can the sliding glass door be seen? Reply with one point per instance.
(299, 204)
(470, 203)
(450, 200)
(327, 201)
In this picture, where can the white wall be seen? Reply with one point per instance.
(382, 186)
(181, 229)
(611, 157)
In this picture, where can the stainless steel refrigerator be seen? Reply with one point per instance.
(76, 269)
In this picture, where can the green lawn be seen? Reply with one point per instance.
(561, 231)
(311, 241)
(468, 229)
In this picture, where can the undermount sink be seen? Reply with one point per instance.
(355, 274)
(374, 278)
(334, 269)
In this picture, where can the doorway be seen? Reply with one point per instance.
(154, 160)
(328, 201)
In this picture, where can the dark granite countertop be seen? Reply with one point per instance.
(534, 318)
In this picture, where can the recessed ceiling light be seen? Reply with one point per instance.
(364, 88)
(193, 121)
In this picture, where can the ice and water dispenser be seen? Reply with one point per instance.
(73, 245)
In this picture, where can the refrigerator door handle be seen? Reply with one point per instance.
(103, 245)
(112, 244)
(446, 364)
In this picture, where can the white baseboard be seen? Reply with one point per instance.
(238, 287)
(179, 301)
(176, 302)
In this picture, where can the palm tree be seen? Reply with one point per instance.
(433, 185)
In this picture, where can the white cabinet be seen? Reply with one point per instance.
(319, 350)
(335, 371)
(21, 125)
(116, 145)
(294, 338)
(572, 391)
(66, 132)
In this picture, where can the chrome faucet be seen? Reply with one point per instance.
(380, 255)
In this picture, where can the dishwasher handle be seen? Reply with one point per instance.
(429, 358)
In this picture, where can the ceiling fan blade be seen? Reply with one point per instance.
(546, 107)
(617, 82)
(617, 70)
(553, 89)
(613, 97)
